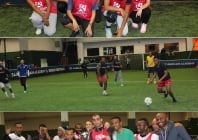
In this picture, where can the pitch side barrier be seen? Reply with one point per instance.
(181, 63)
(178, 63)
(56, 69)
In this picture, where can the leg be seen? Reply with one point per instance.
(2, 86)
(37, 22)
(146, 13)
(51, 29)
(119, 23)
(169, 91)
(109, 21)
(121, 77)
(115, 76)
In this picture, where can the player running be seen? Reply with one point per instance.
(4, 80)
(164, 79)
(23, 73)
(102, 76)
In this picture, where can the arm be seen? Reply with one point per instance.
(147, 4)
(125, 18)
(88, 30)
(165, 74)
(183, 134)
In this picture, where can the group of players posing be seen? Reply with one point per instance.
(154, 66)
(5, 75)
(85, 13)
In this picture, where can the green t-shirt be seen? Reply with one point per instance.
(125, 134)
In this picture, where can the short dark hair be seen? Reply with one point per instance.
(17, 123)
(116, 117)
(71, 129)
(145, 121)
(42, 125)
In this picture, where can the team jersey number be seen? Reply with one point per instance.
(139, 5)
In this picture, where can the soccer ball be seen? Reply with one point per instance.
(148, 101)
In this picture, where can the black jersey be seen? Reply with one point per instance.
(159, 69)
(84, 66)
(101, 68)
(4, 74)
(116, 65)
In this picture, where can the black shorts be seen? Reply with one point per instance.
(84, 23)
(150, 69)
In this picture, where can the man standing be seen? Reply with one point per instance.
(164, 79)
(99, 132)
(120, 132)
(143, 131)
(84, 69)
(4, 80)
(102, 76)
(23, 73)
(150, 66)
(117, 71)
(170, 131)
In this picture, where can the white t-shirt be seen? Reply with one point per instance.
(153, 137)
(57, 138)
(13, 136)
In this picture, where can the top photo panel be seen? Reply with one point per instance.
(98, 18)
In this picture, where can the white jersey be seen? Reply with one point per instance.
(57, 138)
(153, 137)
(13, 136)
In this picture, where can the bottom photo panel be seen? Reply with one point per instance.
(99, 125)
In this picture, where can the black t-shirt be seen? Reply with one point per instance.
(84, 66)
(116, 65)
(4, 74)
(159, 69)
(102, 68)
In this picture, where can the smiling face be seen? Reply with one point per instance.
(89, 125)
(116, 123)
(161, 119)
(97, 120)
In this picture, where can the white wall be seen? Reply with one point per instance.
(138, 43)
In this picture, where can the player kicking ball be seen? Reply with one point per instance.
(164, 79)
(102, 76)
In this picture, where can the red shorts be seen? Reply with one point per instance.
(102, 78)
(164, 83)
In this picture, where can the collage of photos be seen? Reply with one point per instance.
(98, 70)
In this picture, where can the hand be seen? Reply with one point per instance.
(8, 131)
(75, 26)
(139, 13)
(88, 31)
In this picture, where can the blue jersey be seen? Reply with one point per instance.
(23, 70)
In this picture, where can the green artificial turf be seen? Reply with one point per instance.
(71, 92)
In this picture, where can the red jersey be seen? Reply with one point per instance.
(136, 4)
(99, 134)
(83, 8)
(119, 4)
(41, 4)
(53, 6)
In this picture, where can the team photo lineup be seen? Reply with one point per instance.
(98, 18)
(108, 83)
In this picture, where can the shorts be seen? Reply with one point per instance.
(7, 85)
(164, 83)
(102, 78)
(150, 69)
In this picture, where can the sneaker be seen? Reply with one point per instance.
(38, 31)
(13, 96)
(165, 94)
(143, 28)
(135, 25)
(6, 94)
(154, 82)
(104, 93)
(74, 33)
(174, 100)
(108, 32)
(24, 91)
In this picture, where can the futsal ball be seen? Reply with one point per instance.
(148, 101)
